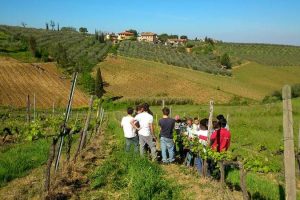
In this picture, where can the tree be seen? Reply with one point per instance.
(68, 29)
(23, 24)
(99, 86)
(83, 30)
(101, 38)
(96, 35)
(47, 26)
(173, 37)
(52, 24)
(57, 26)
(133, 31)
(184, 37)
(32, 45)
(163, 37)
(225, 61)
(209, 40)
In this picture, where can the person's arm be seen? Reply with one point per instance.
(213, 137)
(134, 126)
(152, 130)
(121, 123)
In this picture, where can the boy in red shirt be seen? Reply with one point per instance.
(220, 139)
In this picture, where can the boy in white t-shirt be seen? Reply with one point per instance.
(146, 132)
(129, 131)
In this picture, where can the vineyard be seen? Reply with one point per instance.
(171, 56)
(273, 55)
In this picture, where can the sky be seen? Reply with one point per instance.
(255, 21)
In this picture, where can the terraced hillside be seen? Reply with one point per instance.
(17, 80)
(136, 78)
(274, 55)
(172, 56)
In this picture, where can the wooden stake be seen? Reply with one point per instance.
(53, 109)
(222, 172)
(49, 164)
(243, 184)
(34, 104)
(28, 109)
(289, 154)
(87, 122)
(210, 125)
(299, 139)
(163, 103)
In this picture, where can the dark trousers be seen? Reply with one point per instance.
(132, 141)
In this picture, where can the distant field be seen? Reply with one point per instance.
(172, 56)
(274, 55)
(136, 78)
(17, 80)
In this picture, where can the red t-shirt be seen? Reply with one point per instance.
(221, 140)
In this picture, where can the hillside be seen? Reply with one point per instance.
(72, 50)
(17, 80)
(136, 78)
(176, 56)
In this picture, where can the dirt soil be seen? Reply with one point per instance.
(17, 80)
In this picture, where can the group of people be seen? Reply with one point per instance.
(139, 132)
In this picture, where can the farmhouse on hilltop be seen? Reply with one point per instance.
(148, 37)
(176, 42)
(112, 37)
(125, 35)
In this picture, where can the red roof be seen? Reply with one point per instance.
(148, 34)
(126, 33)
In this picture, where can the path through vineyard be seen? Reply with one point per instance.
(196, 187)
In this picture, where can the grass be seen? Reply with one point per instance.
(133, 78)
(19, 159)
(128, 176)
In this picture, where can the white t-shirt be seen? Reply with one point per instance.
(129, 131)
(202, 135)
(144, 119)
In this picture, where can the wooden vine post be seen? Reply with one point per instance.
(210, 127)
(49, 164)
(163, 103)
(289, 154)
(28, 109)
(210, 119)
(87, 123)
(34, 109)
(298, 154)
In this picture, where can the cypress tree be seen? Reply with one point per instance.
(99, 91)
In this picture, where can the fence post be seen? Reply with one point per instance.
(28, 109)
(49, 164)
(289, 154)
(171, 111)
(87, 122)
(34, 104)
(243, 174)
(222, 172)
(210, 125)
(53, 109)
(163, 103)
(299, 139)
